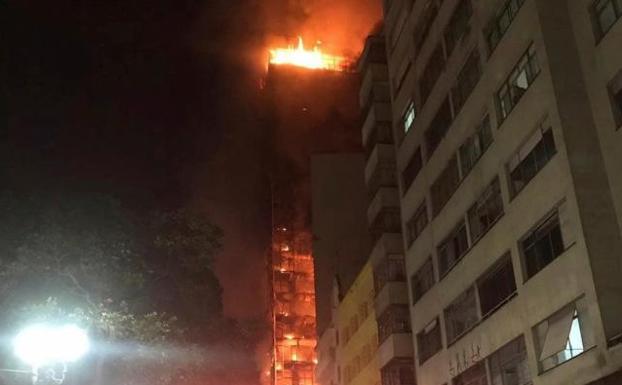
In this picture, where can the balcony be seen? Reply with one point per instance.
(396, 346)
(393, 293)
(375, 74)
(386, 245)
(378, 95)
(378, 114)
(380, 168)
(386, 197)
(387, 221)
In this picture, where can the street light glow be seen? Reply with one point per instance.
(40, 345)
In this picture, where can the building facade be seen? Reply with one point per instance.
(395, 350)
(357, 363)
(506, 120)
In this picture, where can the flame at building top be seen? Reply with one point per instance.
(312, 59)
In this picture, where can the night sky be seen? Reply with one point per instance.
(157, 102)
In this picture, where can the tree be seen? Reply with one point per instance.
(143, 282)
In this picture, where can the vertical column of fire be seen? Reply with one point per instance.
(293, 307)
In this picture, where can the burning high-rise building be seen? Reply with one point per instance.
(311, 100)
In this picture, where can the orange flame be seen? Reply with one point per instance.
(301, 57)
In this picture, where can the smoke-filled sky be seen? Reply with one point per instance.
(158, 101)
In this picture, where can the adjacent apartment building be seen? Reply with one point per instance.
(502, 127)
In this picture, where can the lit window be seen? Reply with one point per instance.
(560, 337)
(409, 117)
(521, 77)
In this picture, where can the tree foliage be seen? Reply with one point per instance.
(143, 285)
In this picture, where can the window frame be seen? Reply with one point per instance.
(599, 32)
(489, 275)
(417, 295)
(413, 227)
(476, 137)
(458, 302)
(452, 236)
(422, 340)
(492, 192)
(494, 26)
(414, 167)
(528, 65)
(550, 219)
(544, 130)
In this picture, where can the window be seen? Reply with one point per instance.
(417, 223)
(423, 27)
(467, 80)
(451, 250)
(530, 158)
(475, 375)
(486, 210)
(508, 365)
(390, 269)
(521, 77)
(422, 280)
(461, 315)
(412, 170)
(444, 186)
(399, 371)
(429, 341)
(409, 117)
(615, 92)
(560, 337)
(457, 25)
(606, 13)
(432, 71)
(387, 221)
(402, 71)
(496, 286)
(474, 147)
(502, 21)
(542, 245)
(438, 127)
(395, 319)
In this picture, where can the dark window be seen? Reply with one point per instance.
(398, 81)
(615, 90)
(399, 371)
(474, 147)
(541, 246)
(422, 280)
(475, 375)
(412, 170)
(531, 157)
(445, 185)
(451, 250)
(387, 221)
(458, 25)
(467, 80)
(390, 269)
(438, 128)
(461, 315)
(423, 27)
(502, 22)
(429, 341)
(417, 223)
(496, 285)
(509, 365)
(520, 79)
(486, 210)
(395, 319)
(606, 13)
(432, 71)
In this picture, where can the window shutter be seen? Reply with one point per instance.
(557, 332)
